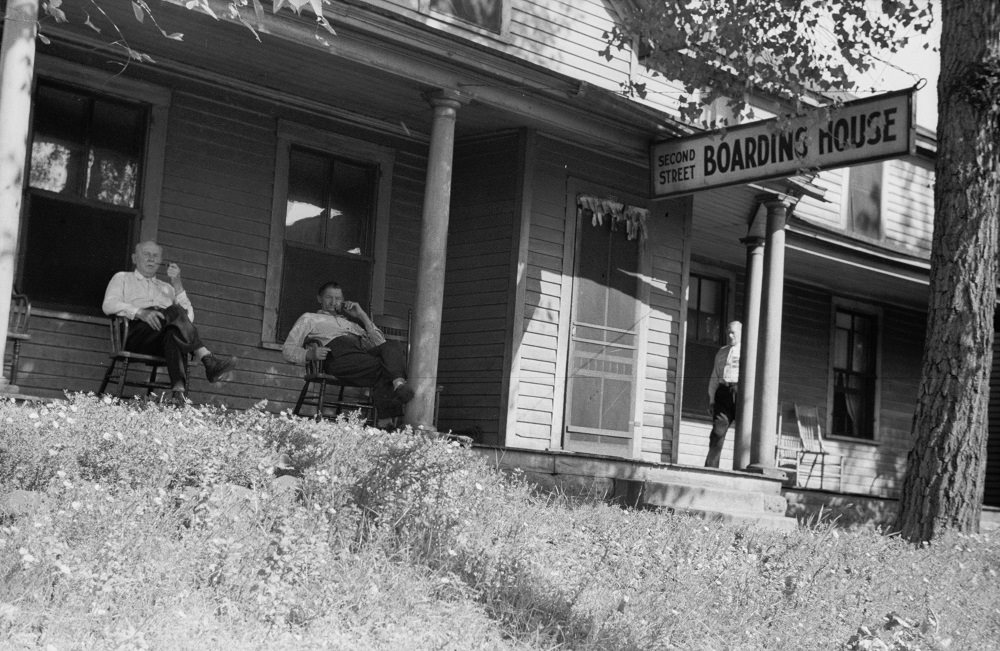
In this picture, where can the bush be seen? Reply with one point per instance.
(164, 528)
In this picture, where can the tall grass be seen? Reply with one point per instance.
(156, 528)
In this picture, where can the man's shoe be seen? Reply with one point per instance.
(216, 366)
(404, 393)
(178, 398)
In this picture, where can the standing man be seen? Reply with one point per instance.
(722, 392)
(161, 315)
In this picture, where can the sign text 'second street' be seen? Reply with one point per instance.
(864, 130)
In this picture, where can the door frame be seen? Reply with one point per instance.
(574, 187)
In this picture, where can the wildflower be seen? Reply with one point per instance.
(76, 505)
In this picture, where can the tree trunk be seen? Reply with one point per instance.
(943, 487)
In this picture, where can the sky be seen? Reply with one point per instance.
(902, 69)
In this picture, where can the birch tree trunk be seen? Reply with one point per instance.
(943, 487)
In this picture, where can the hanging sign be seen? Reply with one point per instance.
(860, 131)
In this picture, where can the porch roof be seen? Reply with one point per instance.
(376, 71)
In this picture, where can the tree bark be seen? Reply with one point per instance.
(943, 486)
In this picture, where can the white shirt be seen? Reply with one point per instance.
(325, 327)
(725, 369)
(130, 291)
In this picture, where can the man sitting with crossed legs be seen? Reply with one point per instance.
(349, 345)
(161, 319)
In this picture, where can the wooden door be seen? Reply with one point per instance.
(601, 368)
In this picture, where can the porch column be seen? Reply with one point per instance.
(425, 339)
(765, 417)
(754, 242)
(17, 68)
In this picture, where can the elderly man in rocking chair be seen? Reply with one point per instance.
(161, 319)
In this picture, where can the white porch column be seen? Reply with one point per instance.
(754, 242)
(425, 339)
(17, 69)
(765, 417)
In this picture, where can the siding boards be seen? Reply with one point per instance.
(215, 221)
(870, 467)
(538, 370)
(478, 283)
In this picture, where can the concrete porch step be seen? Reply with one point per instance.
(714, 494)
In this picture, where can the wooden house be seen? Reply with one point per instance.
(473, 164)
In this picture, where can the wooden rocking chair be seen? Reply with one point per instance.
(328, 395)
(813, 452)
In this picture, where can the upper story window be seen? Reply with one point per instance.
(83, 196)
(855, 356)
(862, 202)
(330, 195)
(706, 322)
(489, 15)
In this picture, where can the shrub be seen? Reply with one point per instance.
(164, 528)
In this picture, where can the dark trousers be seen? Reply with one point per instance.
(174, 341)
(723, 415)
(375, 368)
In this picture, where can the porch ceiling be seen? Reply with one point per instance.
(371, 77)
(721, 218)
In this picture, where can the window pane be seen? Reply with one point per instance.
(709, 296)
(305, 211)
(709, 328)
(116, 136)
(485, 13)
(61, 114)
(351, 207)
(87, 150)
(698, 360)
(112, 177)
(840, 344)
(55, 166)
(72, 251)
(864, 203)
(706, 311)
(854, 375)
(305, 269)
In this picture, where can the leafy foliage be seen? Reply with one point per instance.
(789, 49)
(249, 13)
(170, 529)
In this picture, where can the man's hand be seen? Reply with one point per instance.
(711, 409)
(173, 271)
(353, 309)
(318, 353)
(152, 318)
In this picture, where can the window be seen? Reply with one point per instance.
(82, 203)
(706, 320)
(330, 193)
(485, 14)
(863, 201)
(855, 348)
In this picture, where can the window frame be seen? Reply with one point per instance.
(293, 134)
(424, 7)
(157, 101)
(690, 408)
(875, 313)
(846, 220)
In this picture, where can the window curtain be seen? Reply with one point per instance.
(621, 215)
